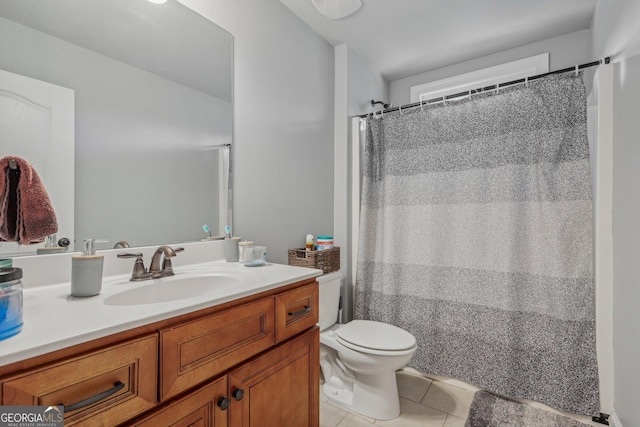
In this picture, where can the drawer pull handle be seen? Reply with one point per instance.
(238, 394)
(93, 399)
(223, 403)
(305, 310)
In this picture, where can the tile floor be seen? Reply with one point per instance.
(424, 402)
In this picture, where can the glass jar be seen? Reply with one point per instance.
(10, 302)
(243, 249)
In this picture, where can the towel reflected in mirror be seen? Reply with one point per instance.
(26, 213)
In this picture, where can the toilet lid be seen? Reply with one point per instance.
(376, 335)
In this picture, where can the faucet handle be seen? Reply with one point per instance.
(139, 272)
(167, 268)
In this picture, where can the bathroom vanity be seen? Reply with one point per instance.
(236, 356)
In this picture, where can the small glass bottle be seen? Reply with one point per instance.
(242, 248)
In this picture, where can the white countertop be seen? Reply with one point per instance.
(54, 320)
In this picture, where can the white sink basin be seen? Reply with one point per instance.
(184, 285)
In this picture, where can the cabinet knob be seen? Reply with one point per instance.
(223, 403)
(238, 394)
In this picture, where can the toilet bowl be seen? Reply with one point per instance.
(359, 359)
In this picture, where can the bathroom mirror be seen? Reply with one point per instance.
(153, 112)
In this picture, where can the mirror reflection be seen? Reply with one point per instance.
(153, 113)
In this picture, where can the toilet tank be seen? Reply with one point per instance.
(329, 289)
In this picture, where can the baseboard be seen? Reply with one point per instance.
(614, 421)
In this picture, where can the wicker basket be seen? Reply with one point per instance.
(327, 260)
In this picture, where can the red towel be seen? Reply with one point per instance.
(26, 213)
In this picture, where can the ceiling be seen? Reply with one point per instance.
(401, 38)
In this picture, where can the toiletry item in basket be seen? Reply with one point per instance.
(86, 271)
(324, 242)
(309, 242)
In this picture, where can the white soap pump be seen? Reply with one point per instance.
(86, 271)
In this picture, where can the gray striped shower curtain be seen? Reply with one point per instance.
(476, 237)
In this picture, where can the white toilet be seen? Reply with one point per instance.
(359, 358)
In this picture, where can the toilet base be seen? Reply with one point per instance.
(374, 396)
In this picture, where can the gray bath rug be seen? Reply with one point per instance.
(490, 410)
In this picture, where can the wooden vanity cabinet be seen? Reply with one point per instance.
(249, 362)
(195, 351)
(200, 408)
(121, 379)
(280, 387)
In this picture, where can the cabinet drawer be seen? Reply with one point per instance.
(201, 408)
(201, 349)
(125, 376)
(296, 311)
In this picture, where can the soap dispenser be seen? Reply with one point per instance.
(86, 271)
(53, 245)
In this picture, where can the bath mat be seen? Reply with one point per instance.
(490, 410)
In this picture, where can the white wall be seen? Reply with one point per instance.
(283, 123)
(356, 84)
(564, 51)
(365, 84)
(615, 32)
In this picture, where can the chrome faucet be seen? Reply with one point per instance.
(167, 269)
(121, 244)
(141, 273)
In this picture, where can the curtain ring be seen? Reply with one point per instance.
(444, 100)
(421, 105)
(577, 69)
(526, 81)
(400, 109)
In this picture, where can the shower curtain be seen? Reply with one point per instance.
(476, 237)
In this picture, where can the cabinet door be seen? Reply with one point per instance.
(206, 407)
(280, 387)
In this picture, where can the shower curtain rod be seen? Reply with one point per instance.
(493, 87)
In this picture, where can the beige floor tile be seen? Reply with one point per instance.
(453, 421)
(323, 398)
(414, 414)
(346, 410)
(351, 420)
(450, 399)
(452, 381)
(412, 386)
(330, 416)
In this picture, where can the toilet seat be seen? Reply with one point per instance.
(376, 338)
